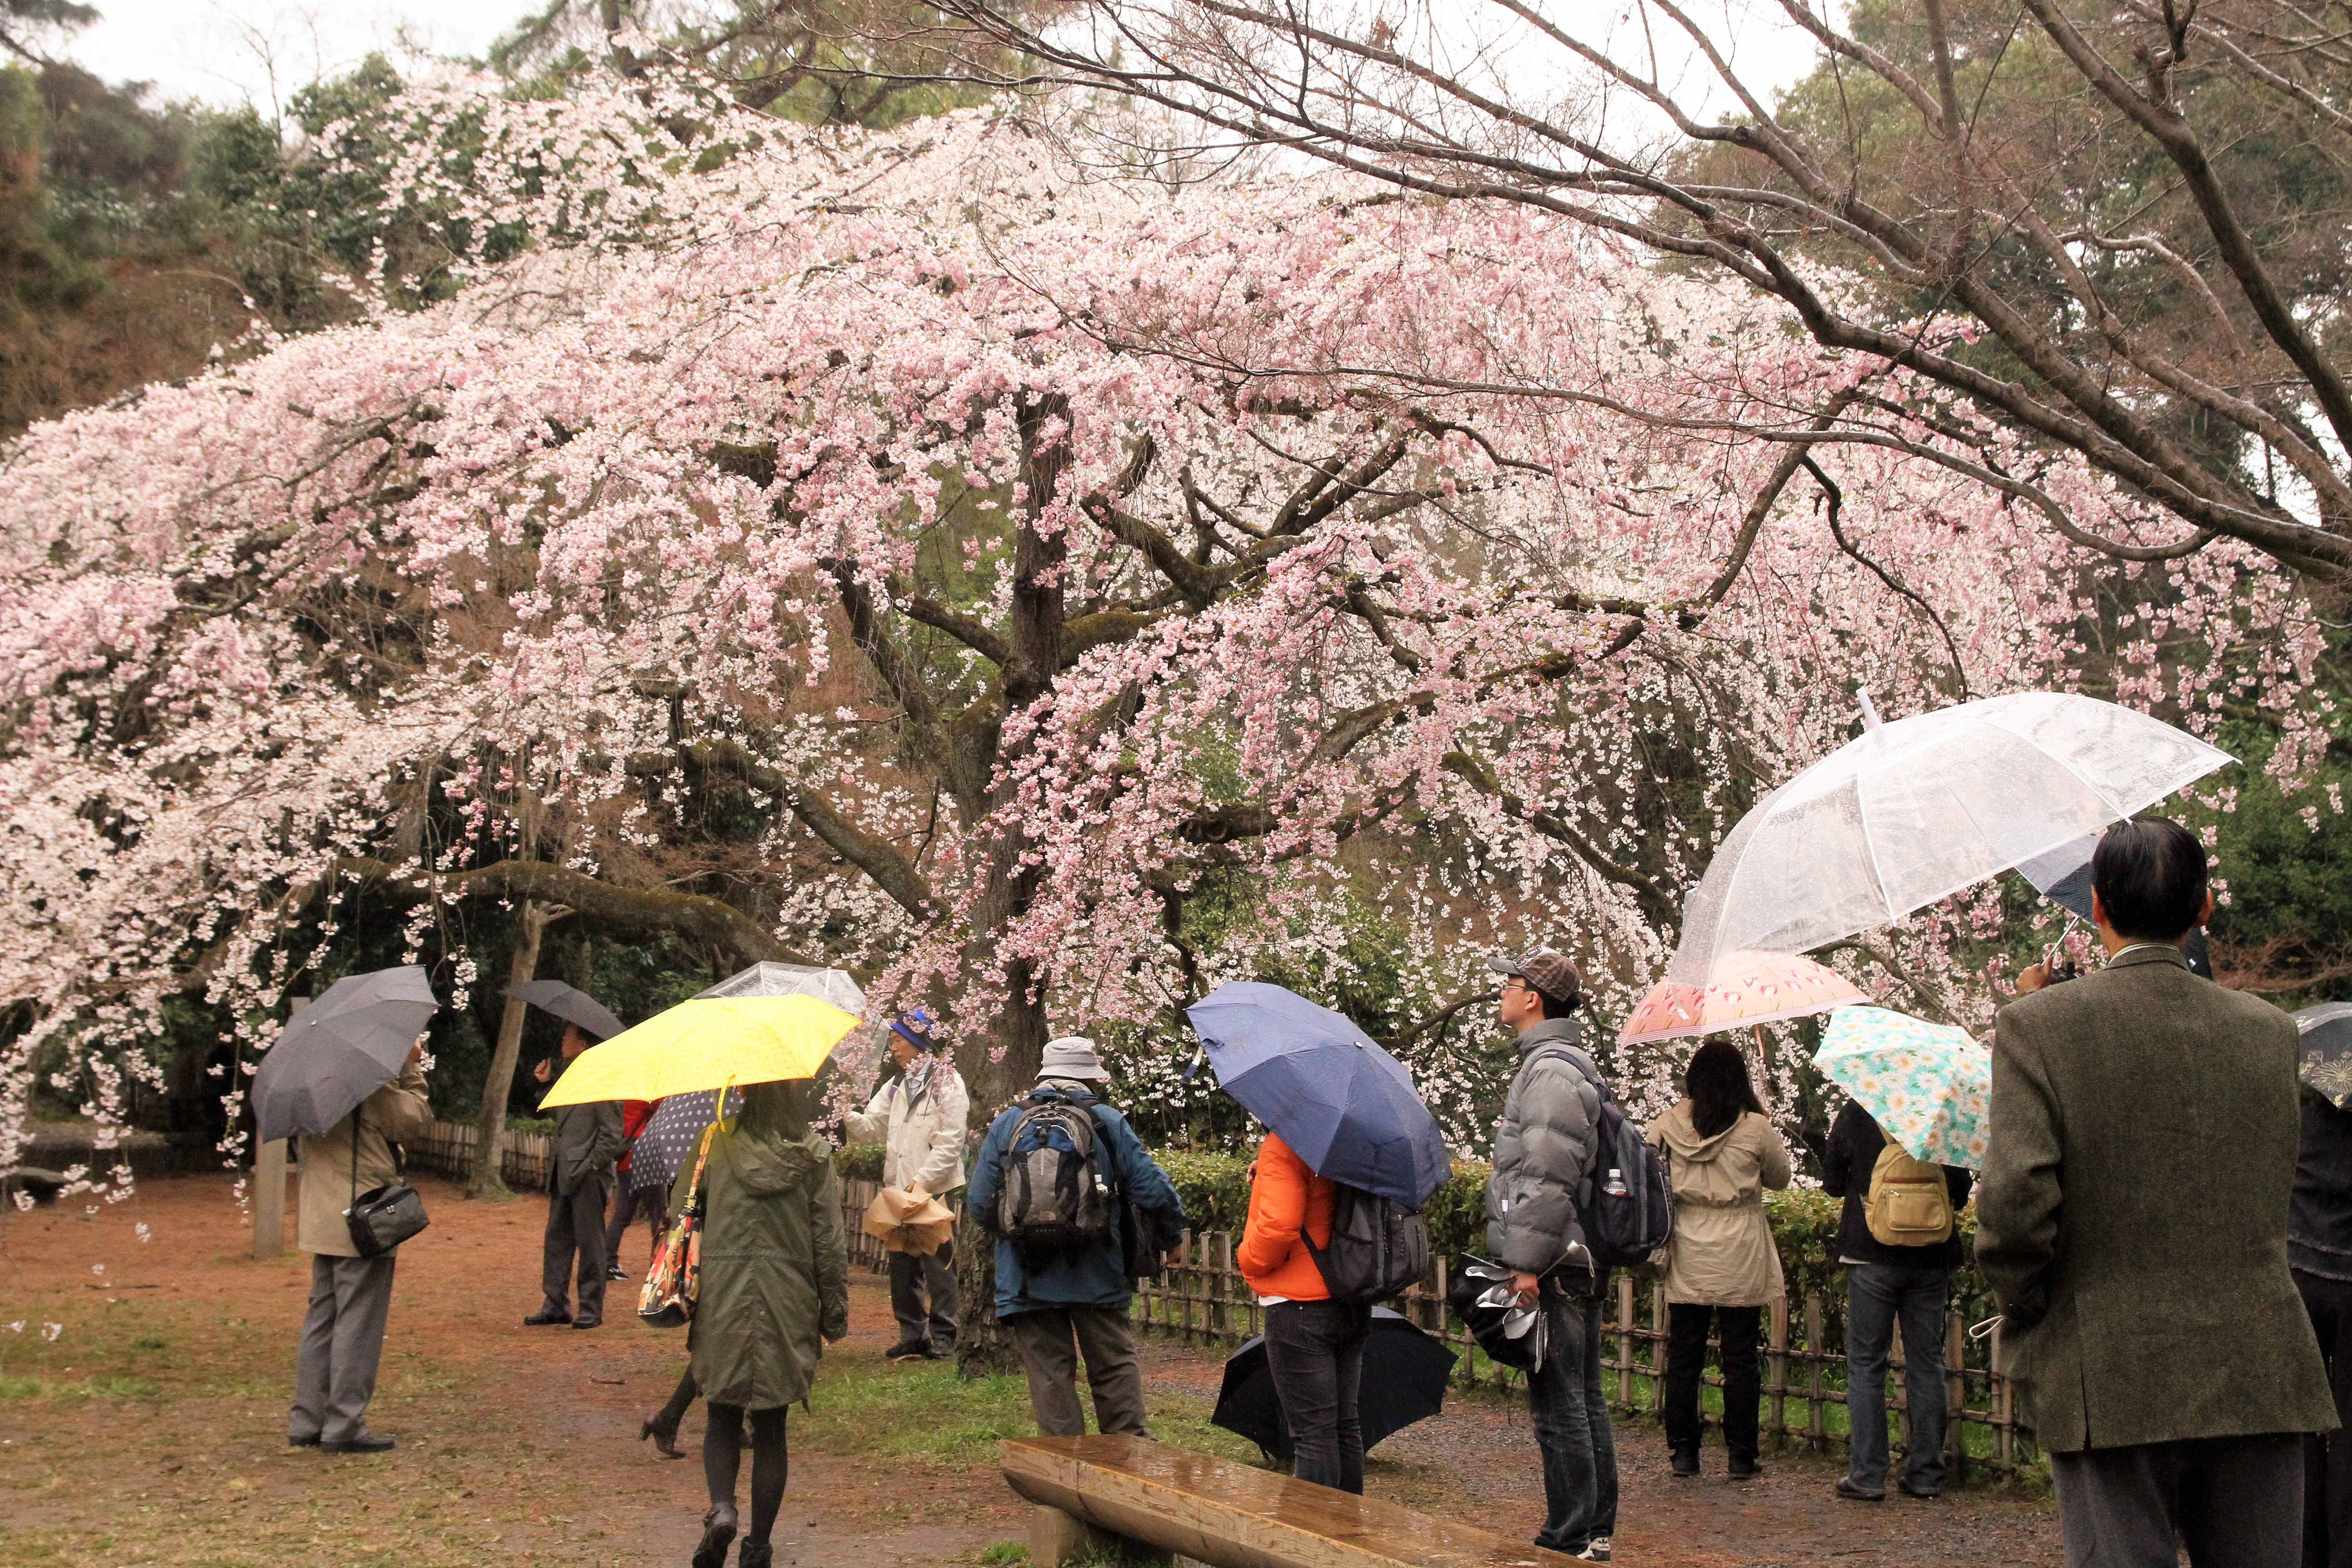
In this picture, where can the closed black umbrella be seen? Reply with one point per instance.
(570, 1003)
(339, 1050)
(1404, 1380)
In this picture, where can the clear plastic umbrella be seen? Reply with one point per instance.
(834, 985)
(1917, 810)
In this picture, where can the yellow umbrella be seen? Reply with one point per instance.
(706, 1044)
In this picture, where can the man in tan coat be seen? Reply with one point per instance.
(342, 1334)
(2132, 1220)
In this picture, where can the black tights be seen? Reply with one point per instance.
(723, 1457)
(675, 1411)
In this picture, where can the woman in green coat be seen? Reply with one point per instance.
(775, 1283)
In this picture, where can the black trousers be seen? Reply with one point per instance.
(914, 1277)
(1743, 1374)
(1315, 1351)
(2327, 1460)
(575, 1225)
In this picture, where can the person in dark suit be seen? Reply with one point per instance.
(2132, 1220)
(588, 1139)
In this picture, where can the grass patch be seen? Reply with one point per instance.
(913, 1412)
(1003, 1554)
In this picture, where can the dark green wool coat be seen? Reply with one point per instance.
(775, 1269)
(2132, 1217)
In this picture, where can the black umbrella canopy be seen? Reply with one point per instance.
(570, 1003)
(340, 1049)
(2326, 1064)
(1405, 1381)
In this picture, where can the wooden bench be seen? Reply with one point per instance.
(1226, 1514)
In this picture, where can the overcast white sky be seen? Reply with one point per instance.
(223, 51)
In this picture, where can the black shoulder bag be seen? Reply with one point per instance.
(381, 1218)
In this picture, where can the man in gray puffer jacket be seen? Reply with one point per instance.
(1545, 1150)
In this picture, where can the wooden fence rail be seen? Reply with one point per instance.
(1202, 1298)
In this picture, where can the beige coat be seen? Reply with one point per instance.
(922, 1140)
(396, 1113)
(1723, 1253)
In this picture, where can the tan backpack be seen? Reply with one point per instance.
(1909, 1206)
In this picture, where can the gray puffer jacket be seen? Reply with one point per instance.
(1544, 1151)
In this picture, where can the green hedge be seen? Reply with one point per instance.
(858, 1162)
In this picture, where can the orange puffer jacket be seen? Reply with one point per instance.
(1284, 1198)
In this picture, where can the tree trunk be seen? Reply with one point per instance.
(489, 1151)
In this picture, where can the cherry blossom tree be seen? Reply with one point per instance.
(921, 551)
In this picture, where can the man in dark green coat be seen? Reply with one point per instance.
(774, 1288)
(2132, 1220)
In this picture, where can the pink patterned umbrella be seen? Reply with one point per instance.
(1755, 988)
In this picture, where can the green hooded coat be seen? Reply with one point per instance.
(776, 1270)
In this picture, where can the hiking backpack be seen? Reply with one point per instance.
(1909, 1203)
(1630, 1216)
(1054, 1197)
(1378, 1247)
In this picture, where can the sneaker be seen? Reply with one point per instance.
(905, 1352)
(1595, 1551)
(615, 1271)
(1853, 1490)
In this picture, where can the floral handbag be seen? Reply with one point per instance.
(667, 1297)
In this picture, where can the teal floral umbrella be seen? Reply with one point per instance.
(1930, 1086)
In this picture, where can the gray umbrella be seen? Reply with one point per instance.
(570, 1003)
(340, 1049)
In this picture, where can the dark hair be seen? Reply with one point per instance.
(1717, 1082)
(2149, 874)
(1553, 1006)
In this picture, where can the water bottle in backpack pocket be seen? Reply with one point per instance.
(1378, 1247)
(1054, 1197)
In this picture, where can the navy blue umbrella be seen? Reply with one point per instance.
(2064, 876)
(1345, 1106)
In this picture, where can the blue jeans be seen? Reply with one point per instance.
(1878, 1296)
(1571, 1424)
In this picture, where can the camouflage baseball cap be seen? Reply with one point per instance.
(1547, 969)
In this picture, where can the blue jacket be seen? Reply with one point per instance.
(1097, 1276)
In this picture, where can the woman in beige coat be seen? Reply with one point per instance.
(1721, 1154)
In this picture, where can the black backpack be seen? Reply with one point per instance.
(1630, 1216)
(1378, 1247)
(1054, 1197)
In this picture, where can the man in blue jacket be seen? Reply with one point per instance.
(1060, 1303)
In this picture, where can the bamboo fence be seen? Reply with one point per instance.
(1203, 1300)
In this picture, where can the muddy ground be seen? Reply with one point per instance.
(151, 1429)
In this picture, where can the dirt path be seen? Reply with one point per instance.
(150, 1429)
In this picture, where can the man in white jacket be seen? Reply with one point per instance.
(919, 1118)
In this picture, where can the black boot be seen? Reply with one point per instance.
(718, 1535)
(1744, 1467)
(756, 1555)
(1686, 1463)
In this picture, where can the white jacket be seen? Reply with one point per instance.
(922, 1140)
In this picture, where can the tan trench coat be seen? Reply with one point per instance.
(1722, 1254)
(396, 1113)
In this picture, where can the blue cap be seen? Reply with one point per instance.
(914, 1025)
